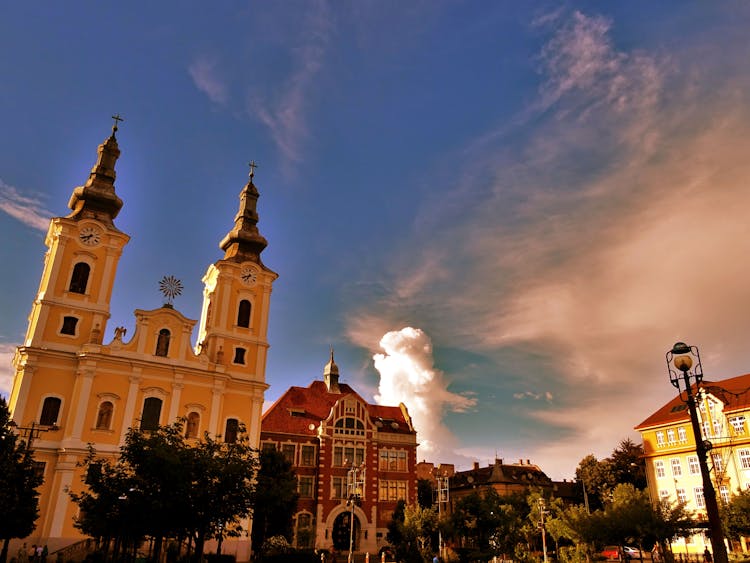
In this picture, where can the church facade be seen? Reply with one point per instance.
(71, 388)
(354, 461)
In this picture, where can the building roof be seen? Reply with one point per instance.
(733, 392)
(301, 409)
(499, 473)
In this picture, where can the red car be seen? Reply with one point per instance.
(610, 552)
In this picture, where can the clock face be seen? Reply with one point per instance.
(248, 275)
(90, 236)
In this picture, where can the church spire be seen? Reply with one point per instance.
(244, 241)
(331, 375)
(97, 199)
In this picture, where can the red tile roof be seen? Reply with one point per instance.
(301, 407)
(733, 392)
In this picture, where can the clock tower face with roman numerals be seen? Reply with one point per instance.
(90, 235)
(249, 275)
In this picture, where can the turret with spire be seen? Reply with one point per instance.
(331, 375)
(244, 241)
(97, 199)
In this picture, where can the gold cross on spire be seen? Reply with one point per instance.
(252, 166)
(117, 118)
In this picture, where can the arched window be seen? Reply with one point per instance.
(191, 425)
(162, 343)
(50, 411)
(243, 314)
(80, 278)
(69, 326)
(104, 415)
(230, 433)
(151, 413)
(349, 426)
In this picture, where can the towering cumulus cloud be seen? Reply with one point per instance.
(408, 375)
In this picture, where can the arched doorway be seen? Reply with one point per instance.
(341, 530)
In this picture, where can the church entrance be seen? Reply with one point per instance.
(342, 529)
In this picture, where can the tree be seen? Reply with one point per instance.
(399, 537)
(161, 486)
(628, 518)
(628, 464)
(489, 523)
(275, 498)
(420, 524)
(597, 480)
(19, 498)
(736, 515)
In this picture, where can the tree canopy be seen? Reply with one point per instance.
(163, 486)
(19, 480)
(276, 498)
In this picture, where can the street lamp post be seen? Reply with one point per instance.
(442, 497)
(685, 370)
(355, 480)
(542, 512)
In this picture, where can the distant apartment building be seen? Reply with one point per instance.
(672, 466)
(340, 445)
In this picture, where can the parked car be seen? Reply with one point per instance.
(632, 552)
(610, 552)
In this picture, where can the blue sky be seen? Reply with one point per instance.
(500, 213)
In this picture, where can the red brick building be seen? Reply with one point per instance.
(339, 445)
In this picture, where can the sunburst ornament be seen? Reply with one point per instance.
(170, 287)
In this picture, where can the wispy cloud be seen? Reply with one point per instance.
(546, 396)
(286, 115)
(604, 229)
(27, 209)
(204, 72)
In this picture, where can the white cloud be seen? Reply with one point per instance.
(28, 210)
(408, 375)
(203, 70)
(6, 368)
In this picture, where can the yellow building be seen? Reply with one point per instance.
(672, 467)
(74, 389)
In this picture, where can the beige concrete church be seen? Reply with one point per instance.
(71, 388)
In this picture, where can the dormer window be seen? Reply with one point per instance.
(80, 278)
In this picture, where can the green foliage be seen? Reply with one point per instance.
(275, 500)
(599, 478)
(736, 515)
(489, 523)
(420, 525)
(628, 519)
(19, 498)
(405, 547)
(161, 486)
